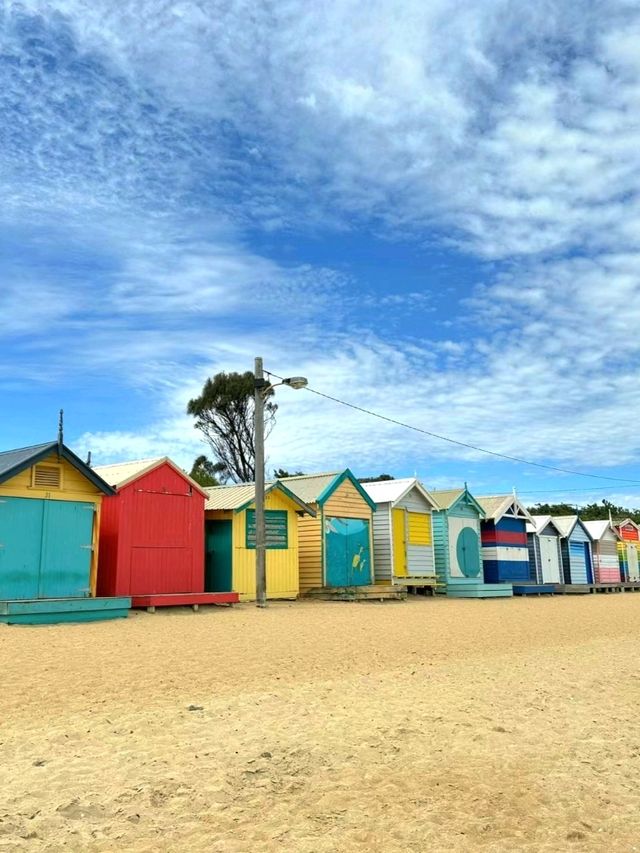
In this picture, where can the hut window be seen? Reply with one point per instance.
(47, 476)
(276, 524)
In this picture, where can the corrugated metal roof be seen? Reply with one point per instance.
(495, 506)
(391, 491)
(598, 528)
(445, 498)
(121, 472)
(13, 461)
(229, 497)
(565, 523)
(309, 487)
(240, 494)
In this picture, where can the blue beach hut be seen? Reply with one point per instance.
(575, 547)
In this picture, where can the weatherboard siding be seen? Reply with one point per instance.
(382, 543)
(574, 557)
(347, 502)
(441, 547)
(606, 566)
(505, 556)
(310, 551)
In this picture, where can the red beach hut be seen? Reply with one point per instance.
(152, 536)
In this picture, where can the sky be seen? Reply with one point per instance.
(431, 210)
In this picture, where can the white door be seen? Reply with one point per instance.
(632, 562)
(549, 559)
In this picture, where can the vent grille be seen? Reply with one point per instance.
(47, 476)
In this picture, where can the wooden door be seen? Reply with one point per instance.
(549, 559)
(67, 547)
(399, 543)
(218, 556)
(348, 552)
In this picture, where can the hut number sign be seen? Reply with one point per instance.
(276, 528)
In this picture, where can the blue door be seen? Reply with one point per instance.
(218, 571)
(588, 562)
(468, 552)
(20, 546)
(45, 548)
(67, 535)
(348, 557)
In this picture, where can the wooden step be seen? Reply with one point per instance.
(371, 592)
(51, 611)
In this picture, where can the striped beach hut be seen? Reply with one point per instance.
(402, 532)
(629, 549)
(505, 556)
(336, 546)
(575, 547)
(230, 540)
(545, 559)
(604, 546)
(457, 546)
(50, 503)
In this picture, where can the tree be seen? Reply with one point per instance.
(589, 512)
(224, 414)
(205, 472)
(282, 473)
(375, 479)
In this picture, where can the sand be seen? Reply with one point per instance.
(426, 725)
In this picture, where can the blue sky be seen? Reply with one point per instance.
(430, 210)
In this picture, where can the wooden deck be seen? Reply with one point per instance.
(51, 611)
(534, 589)
(184, 599)
(371, 592)
(586, 588)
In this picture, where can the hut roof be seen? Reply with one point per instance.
(539, 522)
(447, 498)
(392, 491)
(597, 529)
(119, 474)
(566, 523)
(495, 506)
(317, 488)
(12, 462)
(238, 496)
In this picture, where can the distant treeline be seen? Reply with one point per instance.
(589, 512)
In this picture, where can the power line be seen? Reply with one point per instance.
(459, 443)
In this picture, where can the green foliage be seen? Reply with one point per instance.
(375, 479)
(224, 413)
(590, 512)
(282, 474)
(205, 472)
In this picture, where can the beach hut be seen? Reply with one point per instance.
(152, 536)
(336, 546)
(604, 548)
(628, 549)
(457, 547)
(402, 532)
(50, 503)
(230, 539)
(545, 559)
(505, 556)
(575, 547)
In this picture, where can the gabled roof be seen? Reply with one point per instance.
(597, 529)
(566, 523)
(12, 462)
(539, 522)
(393, 491)
(318, 488)
(496, 506)
(446, 499)
(241, 495)
(120, 474)
(623, 522)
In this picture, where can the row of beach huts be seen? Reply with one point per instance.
(81, 543)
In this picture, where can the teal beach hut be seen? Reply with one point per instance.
(458, 547)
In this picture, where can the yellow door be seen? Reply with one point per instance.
(399, 544)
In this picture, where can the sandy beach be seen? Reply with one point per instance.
(436, 725)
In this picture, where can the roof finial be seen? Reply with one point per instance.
(89, 459)
(60, 431)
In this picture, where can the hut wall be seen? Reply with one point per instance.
(310, 549)
(533, 551)
(382, 542)
(606, 566)
(578, 554)
(74, 487)
(419, 538)
(347, 502)
(441, 547)
(504, 550)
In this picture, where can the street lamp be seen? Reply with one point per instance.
(262, 388)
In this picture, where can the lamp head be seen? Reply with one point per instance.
(296, 382)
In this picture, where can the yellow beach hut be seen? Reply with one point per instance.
(230, 535)
(49, 521)
(336, 546)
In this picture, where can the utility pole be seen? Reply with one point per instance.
(261, 563)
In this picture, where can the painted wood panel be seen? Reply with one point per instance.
(382, 542)
(399, 536)
(347, 502)
(74, 485)
(310, 550)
